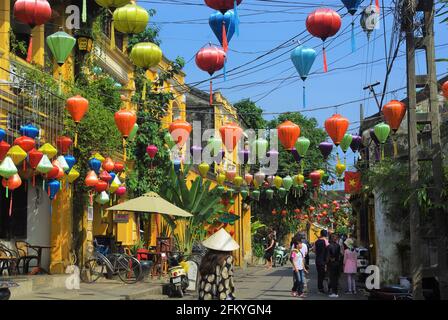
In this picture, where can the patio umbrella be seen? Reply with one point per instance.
(151, 202)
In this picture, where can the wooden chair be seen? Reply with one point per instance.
(24, 256)
(8, 261)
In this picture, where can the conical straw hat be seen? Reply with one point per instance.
(221, 241)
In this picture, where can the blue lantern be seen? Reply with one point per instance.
(52, 187)
(70, 161)
(176, 164)
(352, 6)
(2, 134)
(112, 174)
(303, 59)
(29, 130)
(223, 26)
(95, 165)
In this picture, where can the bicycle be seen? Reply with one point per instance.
(128, 268)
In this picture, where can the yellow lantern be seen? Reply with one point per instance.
(300, 179)
(220, 178)
(321, 172)
(17, 154)
(72, 175)
(340, 168)
(203, 169)
(48, 150)
(278, 181)
(238, 181)
(131, 18)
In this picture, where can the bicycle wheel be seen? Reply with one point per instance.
(129, 269)
(92, 270)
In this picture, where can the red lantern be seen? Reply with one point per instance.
(108, 164)
(151, 150)
(180, 130)
(325, 206)
(284, 213)
(125, 121)
(288, 133)
(32, 13)
(394, 112)
(105, 176)
(336, 127)
(323, 23)
(26, 143)
(445, 89)
(11, 184)
(297, 211)
(324, 213)
(274, 212)
(312, 209)
(335, 203)
(315, 178)
(34, 157)
(118, 167)
(91, 179)
(101, 186)
(4, 148)
(222, 5)
(230, 135)
(53, 173)
(63, 143)
(210, 59)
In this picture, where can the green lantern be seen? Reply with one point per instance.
(145, 55)
(282, 192)
(169, 140)
(260, 147)
(61, 45)
(308, 182)
(244, 193)
(133, 132)
(302, 144)
(269, 194)
(382, 131)
(220, 189)
(230, 193)
(287, 182)
(256, 195)
(346, 141)
(131, 19)
(215, 144)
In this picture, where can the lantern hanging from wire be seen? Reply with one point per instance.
(394, 112)
(288, 133)
(352, 6)
(180, 131)
(303, 58)
(345, 144)
(130, 18)
(223, 26)
(77, 106)
(11, 183)
(369, 19)
(323, 23)
(230, 135)
(63, 143)
(125, 120)
(210, 59)
(224, 6)
(382, 131)
(145, 55)
(27, 130)
(33, 13)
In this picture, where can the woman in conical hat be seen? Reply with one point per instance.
(216, 269)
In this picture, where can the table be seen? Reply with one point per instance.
(39, 258)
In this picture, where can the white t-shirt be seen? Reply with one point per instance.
(304, 249)
(297, 259)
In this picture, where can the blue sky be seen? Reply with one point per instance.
(267, 24)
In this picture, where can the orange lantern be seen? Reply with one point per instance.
(91, 179)
(11, 184)
(63, 143)
(288, 133)
(125, 121)
(230, 135)
(394, 112)
(77, 106)
(336, 127)
(4, 148)
(445, 89)
(108, 164)
(26, 143)
(180, 130)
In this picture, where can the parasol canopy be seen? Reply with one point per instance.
(151, 202)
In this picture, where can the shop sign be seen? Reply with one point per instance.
(121, 217)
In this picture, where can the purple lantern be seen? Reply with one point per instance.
(356, 143)
(296, 155)
(325, 148)
(244, 156)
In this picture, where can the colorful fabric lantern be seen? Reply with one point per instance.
(394, 112)
(17, 154)
(340, 168)
(269, 194)
(300, 179)
(133, 132)
(445, 89)
(63, 163)
(180, 131)
(4, 148)
(287, 182)
(223, 26)
(101, 186)
(63, 143)
(72, 175)
(244, 194)
(114, 185)
(152, 150)
(102, 198)
(248, 178)
(7, 168)
(303, 58)
(352, 6)
(34, 157)
(108, 164)
(125, 120)
(61, 45)
(282, 192)
(109, 4)
(44, 166)
(105, 176)
(323, 23)
(77, 106)
(121, 191)
(288, 133)
(345, 142)
(230, 135)
(210, 59)
(71, 161)
(95, 165)
(382, 131)
(131, 18)
(33, 13)
(315, 178)
(52, 186)
(369, 19)
(28, 130)
(3, 133)
(302, 144)
(91, 179)
(11, 184)
(230, 175)
(203, 169)
(48, 150)
(260, 147)
(259, 177)
(220, 178)
(356, 143)
(278, 181)
(238, 181)
(26, 143)
(145, 55)
(336, 127)
(118, 166)
(224, 6)
(255, 195)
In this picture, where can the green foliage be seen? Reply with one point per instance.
(258, 249)
(251, 113)
(255, 226)
(18, 48)
(199, 200)
(138, 245)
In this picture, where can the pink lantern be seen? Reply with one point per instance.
(120, 191)
(151, 150)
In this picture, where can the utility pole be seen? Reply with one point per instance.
(371, 88)
(423, 41)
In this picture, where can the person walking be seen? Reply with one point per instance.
(350, 265)
(216, 268)
(320, 249)
(298, 268)
(269, 250)
(334, 252)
